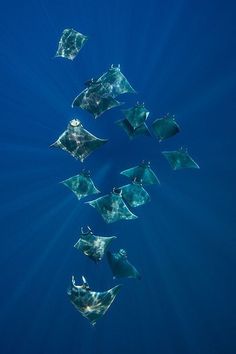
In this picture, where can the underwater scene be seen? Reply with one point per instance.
(118, 177)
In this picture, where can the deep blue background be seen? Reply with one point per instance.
(180, 57)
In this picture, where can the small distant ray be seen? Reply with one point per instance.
(93, 246)
(134, 194)
(180, 159)
(142, 173)
(136, 115)
(81, 185)
(133, 132)
(115, 83)
(112, 207)
(77, 141)
(91, 304)
(120, 266)
(165, 128)
(70, 43)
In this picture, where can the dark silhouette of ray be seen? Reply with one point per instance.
(120, 266)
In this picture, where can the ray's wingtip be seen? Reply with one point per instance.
(117, 289)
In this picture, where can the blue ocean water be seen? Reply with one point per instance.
(180, 57)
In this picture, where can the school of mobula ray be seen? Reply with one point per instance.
(99, 96)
